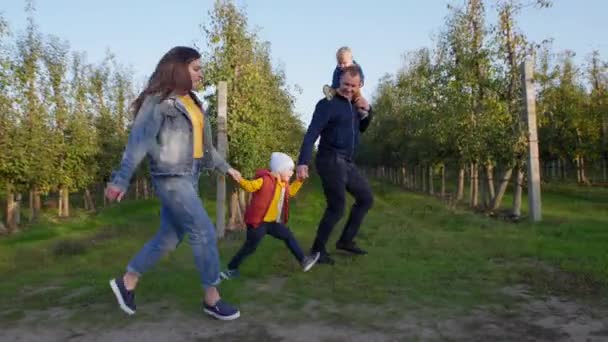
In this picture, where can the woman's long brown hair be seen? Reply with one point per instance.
(170, 74)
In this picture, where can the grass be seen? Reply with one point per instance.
(422, 256)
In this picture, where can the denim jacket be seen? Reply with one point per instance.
(162, 131)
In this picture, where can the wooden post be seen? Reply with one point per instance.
(534, 199)
(222, 148)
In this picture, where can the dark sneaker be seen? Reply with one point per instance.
(125, 298)
(309, 261)
(350, 247)
(229, 274)
(324, 258)
(222, 311)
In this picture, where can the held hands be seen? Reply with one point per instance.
(235, 175)
(114, 193)
(302, 172)
(362, 103)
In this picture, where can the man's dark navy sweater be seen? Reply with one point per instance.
(337, 122)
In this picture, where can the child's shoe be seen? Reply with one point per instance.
(329, 92)
(229, 274)
(309, 261)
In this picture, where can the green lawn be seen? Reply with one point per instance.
(422, 256)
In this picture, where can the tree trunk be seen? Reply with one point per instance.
(85, 202)
(137, 188)
(17, 210)
(59, 202)
(490, 179)
(471, 184)
(424, 181)
(34, 204)
(63, 205)
(431, 182)
(605, 168)
(66, 202)
(502, 188)
(11, 208)
(413, 178)
(237, 210)
(89, 200)
(243, 200)
(460, 194)
(483, 191)
(145, 188)
(518, 190)
(31, 201)
(442, 181)
(411, 181)
(578, 170)
(582, 171)
(474, 191)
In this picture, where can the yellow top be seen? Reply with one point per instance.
(196, 115)
(273, 210)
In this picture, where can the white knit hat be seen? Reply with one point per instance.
(280, 162)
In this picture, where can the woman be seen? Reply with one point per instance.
(172, 130)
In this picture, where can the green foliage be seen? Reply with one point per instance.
(260, 105)
(462, 101)
(62, 120)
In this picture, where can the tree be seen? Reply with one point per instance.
(80, 134)
(11, 159)
(260, 106)
(597, 72)
(34, 118)
(55, 57)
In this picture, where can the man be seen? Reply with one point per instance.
(338, 122)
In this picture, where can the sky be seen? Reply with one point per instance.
(303, 34)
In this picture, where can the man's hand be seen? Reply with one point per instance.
(362, 103)
(114, 193)
(235, 175)
(302, 172)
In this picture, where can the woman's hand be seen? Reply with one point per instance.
(114, 193)
(235, 175)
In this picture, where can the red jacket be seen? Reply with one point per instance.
(261, 199)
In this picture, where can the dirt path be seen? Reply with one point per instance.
(532, 319)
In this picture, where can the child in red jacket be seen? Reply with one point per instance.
(268, 212)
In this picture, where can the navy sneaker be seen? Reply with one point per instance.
(350, 247)
(229, 274)
(324, 258)
(125, 298)
(222, 311)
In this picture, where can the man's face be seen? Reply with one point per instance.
(349, 85)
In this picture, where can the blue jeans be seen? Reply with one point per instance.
(181, 212)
